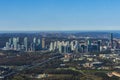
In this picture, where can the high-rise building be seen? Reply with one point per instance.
(17, 39)
(7, 45)
(10, 41)
(99, 44)
(51, 46)
(89, 46)
(38, 41)
(34, 40)
(60, 47)
(15, 43)
(72, 45)
(38, 45)
(55, 45)
(26, 43)
(111, 40)
(43, 43)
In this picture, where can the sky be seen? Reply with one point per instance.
(59, 15)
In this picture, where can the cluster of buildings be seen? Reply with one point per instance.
(25, 44)
(65, 46)
(75, 46)
(85, 45)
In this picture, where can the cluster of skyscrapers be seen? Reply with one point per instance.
(63, 46)
(25, 44)
(85, 45)
(75, 46)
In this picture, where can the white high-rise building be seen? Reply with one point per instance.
(72, 45)
(60, 47)
(34, 40)
(58, 42)
(51, 46)
(10, 41)
(7, 46)
(15, 43)
(55, 45)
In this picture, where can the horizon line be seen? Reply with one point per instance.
(67, 31)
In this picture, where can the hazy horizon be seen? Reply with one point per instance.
(66, 31)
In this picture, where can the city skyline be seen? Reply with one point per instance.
(59, 15)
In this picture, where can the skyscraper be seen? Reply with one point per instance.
(55, 45)
(7, 45)
(60, 47)
(43, 43)
(51, 46)
(17, 39)
(10, 41)
(89, 46)
(38, 41)
(34, 40)
(99, 44)
(111, 40)
(26, 43)
(15, 43)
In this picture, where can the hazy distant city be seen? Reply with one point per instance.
(60, 55)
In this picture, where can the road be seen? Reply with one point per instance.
(38, 64)
(31, 66)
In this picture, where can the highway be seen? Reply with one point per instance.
(31, 66)
(38, 64)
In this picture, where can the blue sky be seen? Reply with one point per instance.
(31, 15)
